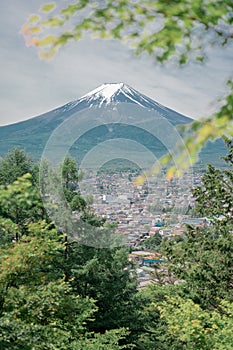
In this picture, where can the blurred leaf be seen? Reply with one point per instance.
(139, 181)
(53, 22)
(33, 19)
(48, 7)
(171, 173)
(35, 30)
(50, 39)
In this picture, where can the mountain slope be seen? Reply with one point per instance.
(33, 134)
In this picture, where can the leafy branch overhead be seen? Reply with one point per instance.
(183, 29)
(180, 31)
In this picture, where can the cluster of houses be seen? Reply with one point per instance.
(157, 206)
(140, 211)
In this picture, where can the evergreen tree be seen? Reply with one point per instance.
(39, 308)
(20, 205)
(204, 259)
(15, 164)
(192, 309)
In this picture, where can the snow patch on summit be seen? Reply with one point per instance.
(115, 93)
(105, 91)
(111, 94)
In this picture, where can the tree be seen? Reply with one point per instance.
(70, 173)
(176, 30)
(196, 328)
(189, 305)
(71, 176)
(203, 262)
(172, 321)
(101, 274)
(20, 206)
(214, 195)
(203, 259)
(39, 308)
(153, 242)
(104, 275)
(154, 334)
(15, 164)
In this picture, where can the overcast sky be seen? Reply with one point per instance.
(30, 86)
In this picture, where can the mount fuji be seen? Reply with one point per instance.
(33, 133)
(115, 93)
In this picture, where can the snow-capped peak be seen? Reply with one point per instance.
(105, 91)
(115, 93)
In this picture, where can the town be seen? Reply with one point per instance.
(158, 205)
(140, 212)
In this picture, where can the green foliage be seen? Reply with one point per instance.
(50, 288)
(20, 205)
(204, 258)
(15, 164)
(214, 195)
(78, 203)
(69, 171)
(108, 340)
(196, 328)
(214, 199)
(37, 308)
(203, 261)
(58, 294)
(153, 242)
(33, 19)
(189, 305)
(66, 206)
(8, 231)
(40, 306)
(178, 26)
(154, 331)
(71, 176)
(102, 274)
(48, 7)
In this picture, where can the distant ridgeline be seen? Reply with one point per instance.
(33, 134)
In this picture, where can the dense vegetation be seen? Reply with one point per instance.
(58, 294)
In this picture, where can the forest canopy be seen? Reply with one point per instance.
(57, 293)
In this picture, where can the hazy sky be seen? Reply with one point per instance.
(30, 86)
